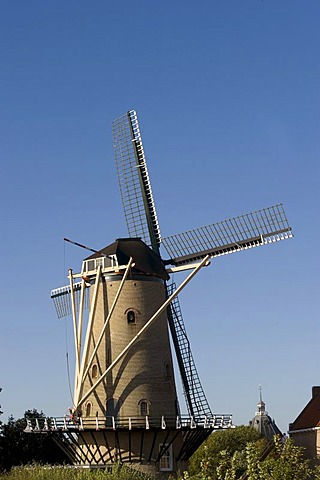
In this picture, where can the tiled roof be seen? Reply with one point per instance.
(310, 415)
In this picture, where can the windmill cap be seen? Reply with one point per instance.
(145, 260)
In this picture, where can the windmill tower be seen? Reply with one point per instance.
(124, 310)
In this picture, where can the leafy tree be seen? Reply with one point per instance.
(21, 448)
(228, 441)
(285, 462)
(230, 467)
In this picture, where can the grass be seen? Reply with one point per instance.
(38, 472)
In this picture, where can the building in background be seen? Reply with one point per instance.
(262, 422)
(305, 430)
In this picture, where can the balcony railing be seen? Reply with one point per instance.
(74, 423)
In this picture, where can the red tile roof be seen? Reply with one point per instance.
(310, 415)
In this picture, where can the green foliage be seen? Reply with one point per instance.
(205, 465)
(226, 469)
(37, 472)
(228, 441)
(285, 462)
(252, 457)
(316, 473)
(20, 448)
(237, 455)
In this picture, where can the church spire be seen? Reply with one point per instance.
(261, 405)
(262, 421)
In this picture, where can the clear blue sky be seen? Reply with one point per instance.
(227, 94)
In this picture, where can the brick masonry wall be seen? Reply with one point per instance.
(145, 373)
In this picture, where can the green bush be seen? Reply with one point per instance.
(205, 460)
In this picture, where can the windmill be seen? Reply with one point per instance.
(125, 309)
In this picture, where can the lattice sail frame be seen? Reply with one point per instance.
(240, 233)
(133, 178)
(62, 299)
(196, 400)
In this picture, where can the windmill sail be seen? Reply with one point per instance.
(141, 218)
(239, 233)
(62, 299)
(133, 177)
(196, 400)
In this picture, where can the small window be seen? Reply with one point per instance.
(99, 262)
(166, 459)
(143, 405)
(131, 317)
(94, 371)
(88, 409)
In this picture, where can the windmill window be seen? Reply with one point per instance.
(143, 407)
(99, 262)
(88, 409)
(131, 317)
(94, 371)
(166, 463)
